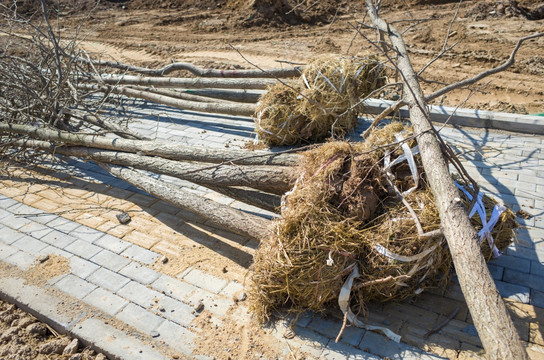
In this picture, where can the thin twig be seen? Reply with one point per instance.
(442, 324)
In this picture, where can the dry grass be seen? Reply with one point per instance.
(341, 209)
(323, 102)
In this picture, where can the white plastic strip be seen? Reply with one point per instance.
(382, 250)
(343, 302)
(411, 162)
(487, 226)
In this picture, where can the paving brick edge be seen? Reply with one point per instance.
(519, 123)
(19, 297)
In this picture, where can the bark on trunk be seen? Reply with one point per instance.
(496, 330)
(186, 83)
(274, 179)
(243, 96)
(155, 148)
(207, 107)
(263, 200)
(242, 223)
(198, 71)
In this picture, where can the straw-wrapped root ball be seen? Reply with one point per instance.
(323, 102)
(342, 213)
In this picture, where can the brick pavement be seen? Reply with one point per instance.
(116, 269)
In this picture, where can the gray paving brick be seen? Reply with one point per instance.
(331, 327)
(512, 262)
(22, 210)
(529, 280)
(205, 281)
(513, 292)
(35, 229)
(140, 254)
(496, 271)
(177, 337)
(6, 251)
(83, 249)
(309, 341)
(48, 250)
(37, 299)
(140, 294)
(63, 225)
(58, 239)
(112, 243)
(82, 267)
(9, 236)
(86, 233)
(140, 273)
(523, 252)
(177, 289)
(175, 310)
(16, 222)
(537, 298)
(382, 346)
(6, 202)
(108, 279)
(29, 244)
(112, 341)
(537, 267)
(110, 260)
(45, 218)
(75, 286)
(140, 318)
(232, 288)
(21, 260)
(340, 351)
(105, 301)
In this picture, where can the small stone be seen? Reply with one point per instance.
(155, 334)
(71, 349)
(53, 347)
(77, 356)
(43, 258)
(162, 309)
(164, 259)
(100, 357)
(124, 218)
(241, 296)
(37, 328)
(175, 357)
(289, 334)
(22, 323)
(199, 307)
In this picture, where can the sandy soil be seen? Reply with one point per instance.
(153, 33)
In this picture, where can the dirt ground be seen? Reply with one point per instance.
(155, 32)
(23, 337)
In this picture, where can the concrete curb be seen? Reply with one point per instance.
(527, 124)
(93, 332)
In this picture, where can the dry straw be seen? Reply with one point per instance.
(341, 213)
(323, 102)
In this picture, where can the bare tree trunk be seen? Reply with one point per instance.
(274, 179)
(186, 83)
(208, 107)
(263, 200)
(496, 330)
(198, 71)
(243, 96)
(252, 226)
(155, 148)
